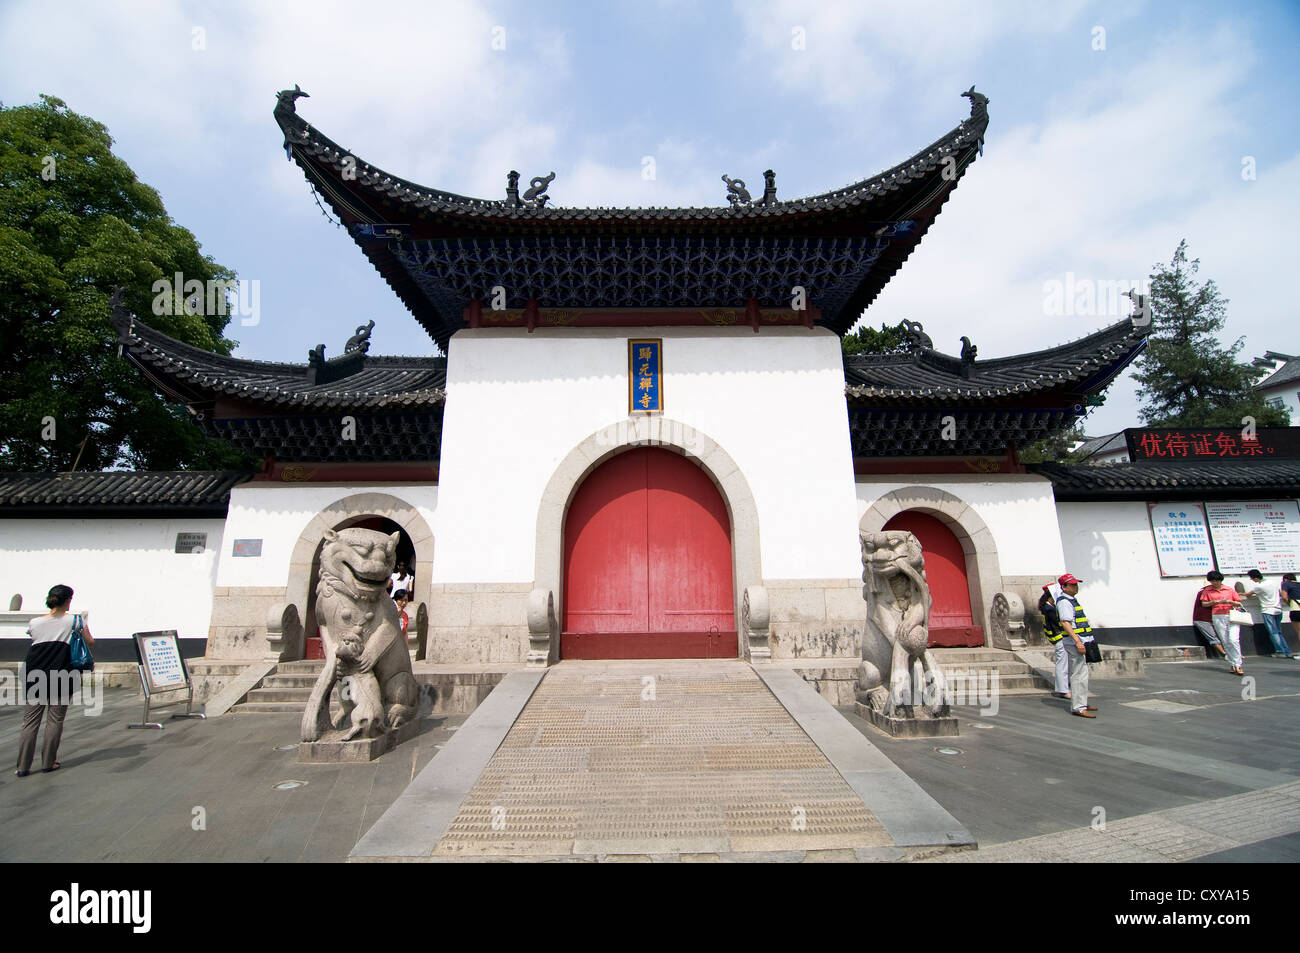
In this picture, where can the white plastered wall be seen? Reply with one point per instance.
(126, 572)
(1112, 546)
(277, 514)
(1018, 509)
(519, 403)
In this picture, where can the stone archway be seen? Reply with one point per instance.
(345, 512)
(667, 434)
(983, 569)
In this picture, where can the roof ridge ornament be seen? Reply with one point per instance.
(914, 336)
(979, 103)
(535, 197)
(769, 188)
(979, 111)
(360, 341)
(286, 99)
(968, 353)
(737, 194)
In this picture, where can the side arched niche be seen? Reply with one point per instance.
(983, 570)
(349, 511)
(667, 434)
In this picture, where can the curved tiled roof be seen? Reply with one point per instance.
(440, 251)
(191, 374)
(1288, 373)
(195, 492)
(306, 141)
(1085, 366)
(1153, 481)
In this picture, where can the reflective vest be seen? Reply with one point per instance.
(1081, 627)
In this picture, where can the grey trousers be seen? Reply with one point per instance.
(1078, 678)
(31, 726)
(1061, 659)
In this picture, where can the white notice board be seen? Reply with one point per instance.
(1182, 541)
(162, 660)
(1256, 534)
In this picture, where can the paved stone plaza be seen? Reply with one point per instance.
(1183, 768)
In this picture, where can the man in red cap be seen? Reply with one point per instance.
(1075, 623)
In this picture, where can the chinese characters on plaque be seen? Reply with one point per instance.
(1212, 443)
(645, 393)
(1182, 542)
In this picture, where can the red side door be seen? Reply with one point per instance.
(647, 555)
(945, 570)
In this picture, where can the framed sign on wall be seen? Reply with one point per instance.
(1255, 534)
(645, 384)
(1182, 539)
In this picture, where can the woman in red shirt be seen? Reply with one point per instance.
(1221, 600)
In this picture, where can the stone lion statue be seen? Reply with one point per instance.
(365, 652)
(895, 652)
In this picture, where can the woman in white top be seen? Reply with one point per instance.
(49, 680)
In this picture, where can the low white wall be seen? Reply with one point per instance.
(519, 403)
(1110, 547)
(1018, 509)
(125, 572)
(277, 514)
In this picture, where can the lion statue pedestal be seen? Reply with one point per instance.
(366, 657)
(901, 689)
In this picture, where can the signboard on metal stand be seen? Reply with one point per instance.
(163, 672)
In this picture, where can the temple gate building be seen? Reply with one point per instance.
(643, 441)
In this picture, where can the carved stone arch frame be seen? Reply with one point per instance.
(983, 569)
(345, 512)
(668, 434)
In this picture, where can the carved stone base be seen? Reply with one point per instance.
(331, 750)
(920, 724)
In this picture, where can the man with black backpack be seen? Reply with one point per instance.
(1055, 635)
(1085, 649)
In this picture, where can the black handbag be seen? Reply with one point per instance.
(1091, 651)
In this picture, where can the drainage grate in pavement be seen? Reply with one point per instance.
(707, 761)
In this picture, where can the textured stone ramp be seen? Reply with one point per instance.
(657, 757)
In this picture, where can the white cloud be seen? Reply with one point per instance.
(854, 54)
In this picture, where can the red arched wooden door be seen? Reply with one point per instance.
(945, 570)
(647, 563)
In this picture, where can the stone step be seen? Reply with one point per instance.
(971, 655)
(1157, 653)
(289, 681)
(265, 708)
(301, 667)
(299, 696)
(1005, 666)
(203, 667)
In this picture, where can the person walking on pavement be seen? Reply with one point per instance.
(1270, 607)
(1289, 597)
(1201, 622)
(1221, 600)
(1075, 623)
(1055, 635)
(49, 680)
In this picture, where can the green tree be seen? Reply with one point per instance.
(1054, 448)
(74, 223)
(867, 340)
(1186, 377)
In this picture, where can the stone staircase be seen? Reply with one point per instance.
(286, 691)
(1013, 676)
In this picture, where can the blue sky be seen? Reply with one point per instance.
(1098, 160)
